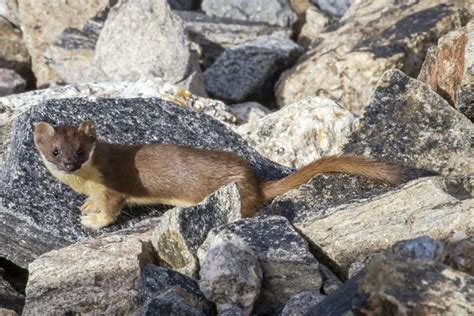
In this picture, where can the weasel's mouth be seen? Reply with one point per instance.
(70, 168)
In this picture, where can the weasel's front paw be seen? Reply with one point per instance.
(89, 207)
(96, 220)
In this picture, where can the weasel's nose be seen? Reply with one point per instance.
(70, 166)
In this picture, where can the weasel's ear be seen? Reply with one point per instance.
(42, 132)
(88, 128)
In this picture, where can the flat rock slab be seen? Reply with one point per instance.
(38, 214)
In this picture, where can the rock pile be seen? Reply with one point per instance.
(280, 83)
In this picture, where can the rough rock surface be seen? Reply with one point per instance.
(249, 112)
(214, 35)
(449, 69)
(145, 38)
(314, 23)
(434, 206)
(10, 82)
(301, 132)
(301, 303)
(411, 279)
(406, 122)
(10, 299)
(372, 37)
(163, 291)
(249, 70)
(54, 18)
(97, 276)
(278, 12)
(230, 275)
(287, 265)
(38, 214)
(182, 230)
(9, 10)
(336, 8)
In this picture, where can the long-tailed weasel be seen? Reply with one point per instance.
(113, 175)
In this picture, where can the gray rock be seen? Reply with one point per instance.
(10, 82)
(314, 24)
(184, 4)
(301, 303)
(9, 10)
(403, 281)
(98, 276)
(336, 8)
(213, 34)
(230, 275)
(10, 299)
(250, 70)
(330, 281)
(38, 214)
(287, 265)
(406, 122)
(163, 291)
(278, 12)
(146, 39)
(182, 230)
(249, 112)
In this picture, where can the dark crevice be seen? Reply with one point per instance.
(13, 274)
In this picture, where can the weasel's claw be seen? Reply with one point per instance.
(88, 207)
(96, 220)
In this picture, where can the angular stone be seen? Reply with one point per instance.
(96, 276)
(301, 132)
(287, 265)
(315, 22)
(249, 112)
(335, 8)
(230, 275)
(396, 284)
(278, 12)
(372, 37)
(182, 230)
(156, 46)
(406, 122)
(433, 206)
(301, 303)
(38, 214)
(166, 292)
(248, 71)
(10, 82)
(10, 299)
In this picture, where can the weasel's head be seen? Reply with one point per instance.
(66, 147)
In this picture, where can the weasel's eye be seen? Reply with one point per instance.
(55, 152)
(79, 152)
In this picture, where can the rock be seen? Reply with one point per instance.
(287, 265)
(182, 230)
(315, 23)
(249, 112)
(277, 12)
(13, 52)
(184, 4)
(10, 298)
(301, 303)
(98, 276)
(213, 34)
(330, 281)
(448, 69)
(10, 82)
(230, 275)
(155, 46)
(38, 214)
(335, 8)
(166, 292)
(54, 19)
(301, 132)
(406, 122)
(372, 37)
(9, 10)
(433, 206)
(394, 283)
(247, 71)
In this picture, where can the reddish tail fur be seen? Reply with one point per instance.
(355, 165)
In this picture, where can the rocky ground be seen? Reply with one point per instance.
(281, 83)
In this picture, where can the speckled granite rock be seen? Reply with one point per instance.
(230, 275)
(449, 69)
(145, 38)
(372, 37)
(98, 276)
(301, 303)
(10, 82)
(406, 122)
(249, 112)
(10, 299)
(9, 10)
(249, 71)
(166, 292)
(214, 34)
(287, 265)
(38, 214)
(301, 132)
(181, 230)
(434, 206)
(54, 18)
(278, 12)
(410, 279)
(336, 8)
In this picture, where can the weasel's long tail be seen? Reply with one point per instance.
(355, 165)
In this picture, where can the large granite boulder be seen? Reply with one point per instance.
(38, 214)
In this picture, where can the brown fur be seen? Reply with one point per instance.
(114, 175)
